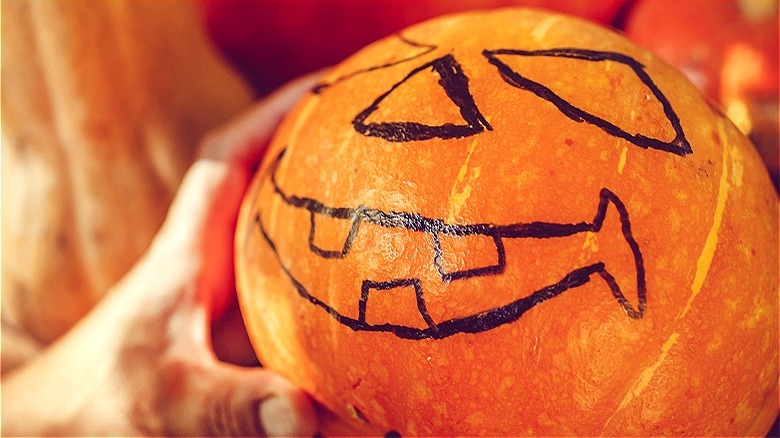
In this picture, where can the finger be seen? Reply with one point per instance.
(221, 176)
(222, 152)
(216, 280)
(222, 400)
(244, 138)
(191, 258)
(186, 220)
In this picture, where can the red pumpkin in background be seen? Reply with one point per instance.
(729, 49)
(273, 41)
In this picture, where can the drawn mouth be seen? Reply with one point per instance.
(435, 229)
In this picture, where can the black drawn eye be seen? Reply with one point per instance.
(448, 74)
(510, 61)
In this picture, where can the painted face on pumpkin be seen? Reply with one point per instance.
(445, 244)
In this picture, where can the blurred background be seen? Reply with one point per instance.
(104, 105)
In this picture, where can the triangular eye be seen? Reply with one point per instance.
(510, 63)
(450, 78)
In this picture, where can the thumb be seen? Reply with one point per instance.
(223, 400)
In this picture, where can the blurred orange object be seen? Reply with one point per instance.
(729, 49)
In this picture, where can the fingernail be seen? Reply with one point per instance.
(278, 417)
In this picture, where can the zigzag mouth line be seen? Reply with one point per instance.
(475, 323)
(419, 223)
(481, 321)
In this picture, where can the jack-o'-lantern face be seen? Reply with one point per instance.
(516, 223)
(365, 179)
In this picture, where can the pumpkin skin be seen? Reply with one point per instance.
(422, 250)
(103, 109)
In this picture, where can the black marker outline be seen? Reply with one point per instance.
(455, 84)
(478, 322)
(319, 88)
(353, 229)
(368, 285)
(447, 277)
(679, 145)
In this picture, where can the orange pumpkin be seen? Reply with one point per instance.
(515, 223)
(103, 107)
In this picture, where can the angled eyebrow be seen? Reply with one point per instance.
(319, 88)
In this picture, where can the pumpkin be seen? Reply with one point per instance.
(103, 106)
(509, 223)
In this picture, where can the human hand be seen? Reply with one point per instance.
(141, 363)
